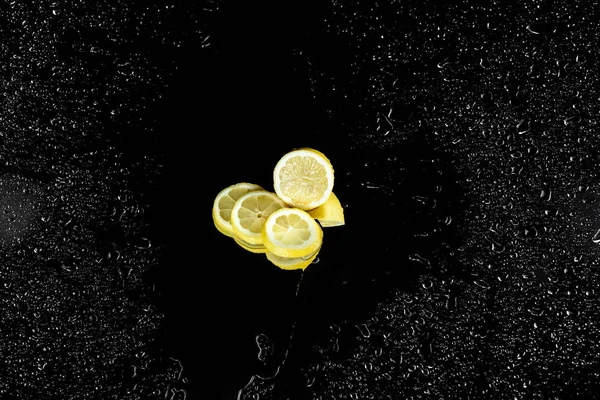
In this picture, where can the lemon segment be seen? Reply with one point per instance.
(224, 202)
(292, 263)
(250, 212)
(303, 178)
(329, 214)
(291, 233)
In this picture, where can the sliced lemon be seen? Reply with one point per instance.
(250, 212)
(224, 202)
(329, 214)
(253, 248)
(292, 263)
(303, 178)
(291, 233)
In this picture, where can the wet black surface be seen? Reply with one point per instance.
(464, 139)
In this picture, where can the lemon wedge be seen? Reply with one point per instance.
(329, 214)
(224, 202)
(303, 178)
(291, 233)
(250, 212)
(292, 263)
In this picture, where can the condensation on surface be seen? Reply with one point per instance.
(19, 208)
(506, 306)
(77, 79)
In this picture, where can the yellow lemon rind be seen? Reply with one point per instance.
(222, 227)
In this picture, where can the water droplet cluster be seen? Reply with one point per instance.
(77, 81)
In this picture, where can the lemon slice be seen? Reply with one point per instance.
(291, 233)
(303, 178)
(224, 203)
(292, 263)
(253, 248)
(329, 214)
(250, 212)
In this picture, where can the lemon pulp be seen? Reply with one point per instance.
(251, 211)
(303, 178)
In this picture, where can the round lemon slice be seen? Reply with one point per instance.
(224, 202)
(303, 178)
(291, 233)
(250, 212)
(329, 214)
(292, 263)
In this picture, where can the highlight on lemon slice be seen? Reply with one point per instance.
(224, 202)
(329, 214)
(291, 233)
(250, 212)
(303, 178)
(292, 263)
(253, 248)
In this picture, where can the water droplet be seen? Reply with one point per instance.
(336, 345)
(536, 310)
(596, 237)
(386, 189)
(572, 312)
(482, 283)
(364, 330)
(523, 126)
(141, 243)
(529, 231)
(496, 246)
(420, 259)
(265, 347)
(542, 28)
(546, 194)
(572, 120)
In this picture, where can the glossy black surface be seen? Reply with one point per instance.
(464, 143)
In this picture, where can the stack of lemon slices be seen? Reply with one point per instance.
(286, 225)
